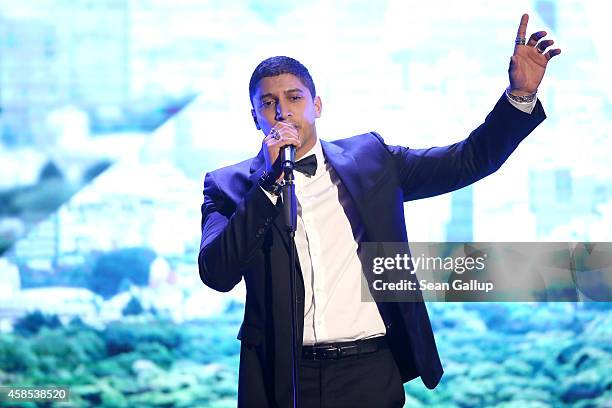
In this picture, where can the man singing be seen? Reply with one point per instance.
(350, 191)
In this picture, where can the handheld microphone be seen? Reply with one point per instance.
(287, 157)
(287, 154)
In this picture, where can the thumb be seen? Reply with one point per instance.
(512, 64)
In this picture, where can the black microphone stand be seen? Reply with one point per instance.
(290, 213)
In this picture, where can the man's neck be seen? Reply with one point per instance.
(306, 148)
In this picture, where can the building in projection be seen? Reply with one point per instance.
(109, 58)
(121, 209)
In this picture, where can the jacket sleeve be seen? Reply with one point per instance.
(231, 233)
(438, 170)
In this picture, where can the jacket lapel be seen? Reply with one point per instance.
(256, 169)
(347, 169)
(257, 166)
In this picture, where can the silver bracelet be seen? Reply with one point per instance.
(268, 183)
(521, 99)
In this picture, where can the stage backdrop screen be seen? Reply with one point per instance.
(112, 112)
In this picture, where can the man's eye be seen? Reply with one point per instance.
(296, 97)
(266, 104)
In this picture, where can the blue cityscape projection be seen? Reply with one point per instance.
(112, 111)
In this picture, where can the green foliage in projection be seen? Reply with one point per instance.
(143, 361)
(129, 363)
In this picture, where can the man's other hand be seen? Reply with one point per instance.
(529, 61)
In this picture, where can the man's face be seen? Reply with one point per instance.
(284, 98)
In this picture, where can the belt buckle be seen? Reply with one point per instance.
(326, 352)
(343, 350)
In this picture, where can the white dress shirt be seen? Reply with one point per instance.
(327, 249)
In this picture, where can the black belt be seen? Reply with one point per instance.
(329, 351)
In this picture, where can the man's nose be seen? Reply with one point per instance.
(282, 112)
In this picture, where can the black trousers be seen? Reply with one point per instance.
(363, 381)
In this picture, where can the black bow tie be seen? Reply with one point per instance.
(307, 165)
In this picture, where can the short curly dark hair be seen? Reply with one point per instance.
(279, 65)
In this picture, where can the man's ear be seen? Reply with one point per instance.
(255, 119)
(318, 106)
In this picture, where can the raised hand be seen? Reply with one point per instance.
(529, 61)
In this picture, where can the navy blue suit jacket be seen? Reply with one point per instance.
(243, 237)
